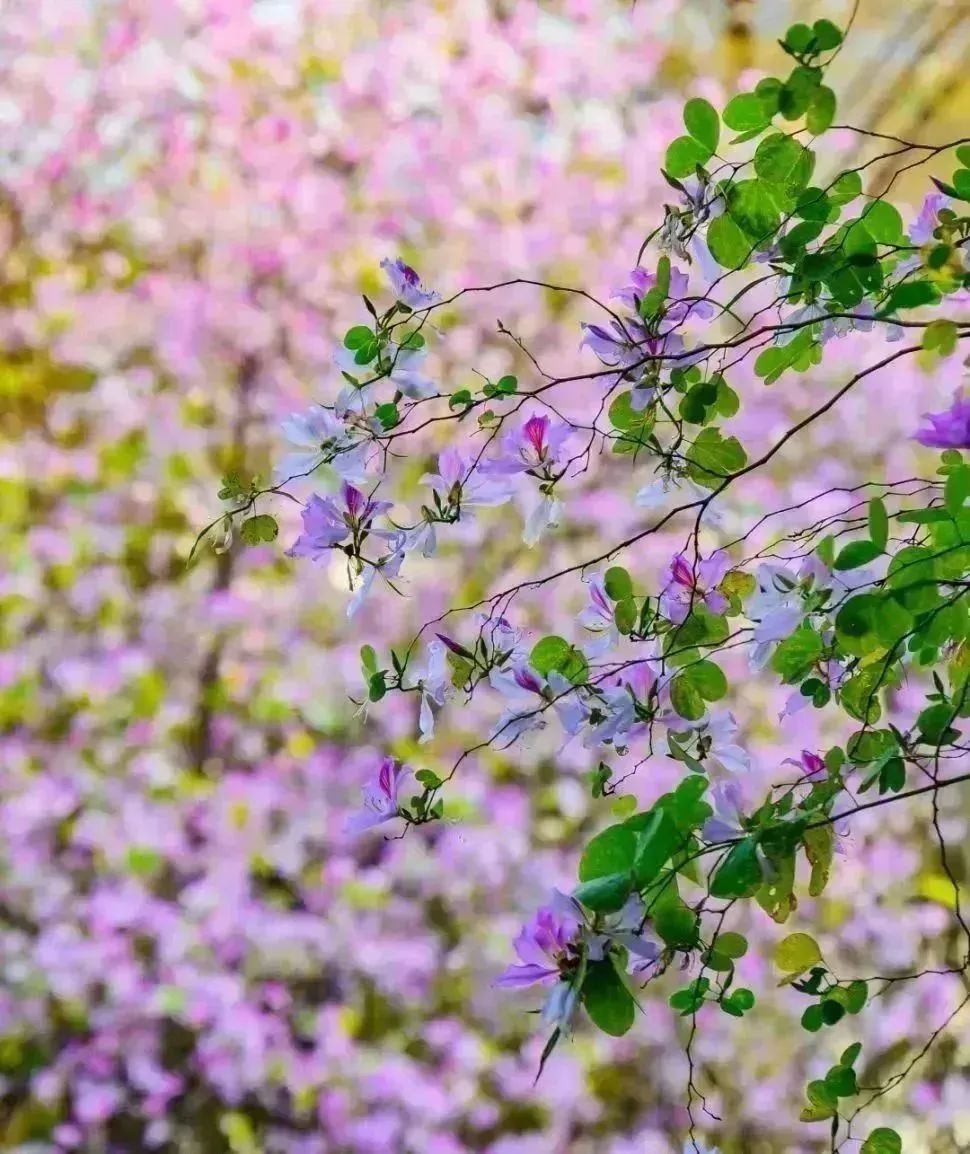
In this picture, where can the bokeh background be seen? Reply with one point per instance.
(193, 957)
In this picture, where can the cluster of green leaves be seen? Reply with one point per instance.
(506, 386)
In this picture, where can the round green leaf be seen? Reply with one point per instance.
(746, 113)
(702, 122)
(732, 945)
(857, 553)
(618, 584)
(610, 852)
(821, 110)
(608, 1002)
(684, 155)
(686, 698)
(730, 245)
(604, 895)
(883, 222)
(739, 875)
(708, 679)
(882, 1141)
(259, 530)
(782, 160)
(797, 953)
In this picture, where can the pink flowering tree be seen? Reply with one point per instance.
(202, 948)
(843, 596)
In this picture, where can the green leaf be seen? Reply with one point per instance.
(850, 1054)
(912, 294)
(859, 695)
(754, 204)
(957, 489)
(783, 161)
(686, 699)
(963, 155)
(878, 523)
(812, 1019)
(832, 1010)
(819, 1094)
(746, 113)
(819, 849)
(821, 111)
(388, 414)
(605, 895)
(845, 188)
(797, 654)
(618, 584)
(611, 852)
(730, 246)
(882, 1140)
(708, 679)
(625, 615)
(739, 876)
(827, 35)
(940, 335)
(676, 925)
(358, 336)
(857, 553)
(703, 124)
(377, 686)
(655, 846)
(883, 222)
(732, 945)
(259, 530)
(713, 457)
(797, 953)
(684, 156)
(856, 996)
(798, 39)
(368, 659)
(555, 654)
(608, 1002)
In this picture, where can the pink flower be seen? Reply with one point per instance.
(686, 586)
(810, 764)
(380, 798)
(407, 284)
(546, 946)
(535, 448)
(326, 523)
(921, 230)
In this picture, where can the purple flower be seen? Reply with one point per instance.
(327, 523)
(687, 586)
(407, 284)
(317, 435)
(536, 447)
(677, 305)
(949, 429)
(921, 230)
(634, 690)
(726, 822)
(546, 947)
(615, 347)
(380, 798)
(458, 482)
(811, 765)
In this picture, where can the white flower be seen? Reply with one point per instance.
(316, 435)
(541, 513)
(670, 490)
